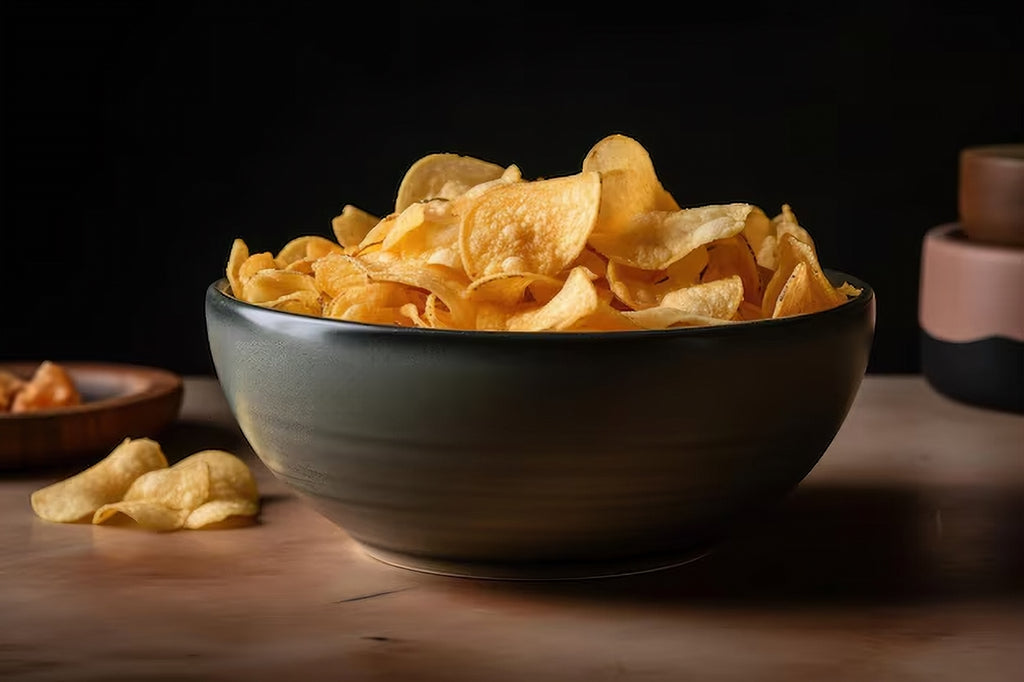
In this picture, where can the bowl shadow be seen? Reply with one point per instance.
(836, 544)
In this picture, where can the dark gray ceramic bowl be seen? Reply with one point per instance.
(538, 456)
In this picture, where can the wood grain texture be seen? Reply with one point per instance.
(901, 557)
(118, 401)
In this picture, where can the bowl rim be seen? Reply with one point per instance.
(216, 293)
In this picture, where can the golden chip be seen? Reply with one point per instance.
(539, 226)
(656, 239)
(630, 185)
(352, 225)
(444, 176)
(576, 300)
(719, 298)
(79, 496)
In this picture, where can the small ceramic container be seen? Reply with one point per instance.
(971, 314)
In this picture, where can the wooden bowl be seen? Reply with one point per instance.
(120, 401)
(991, 194)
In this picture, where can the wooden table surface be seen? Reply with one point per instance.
(901, 557)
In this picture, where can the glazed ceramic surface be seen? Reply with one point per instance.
(523, 455)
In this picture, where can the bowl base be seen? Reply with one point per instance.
(546, 571)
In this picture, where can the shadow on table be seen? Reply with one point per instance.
(842, 544)
(187, 437)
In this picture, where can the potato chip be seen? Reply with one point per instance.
(630, 185)
(447, 284)
(148, 514)
(719, 298)
(793, 251)
(163, 498)
(640, 289)
(239, 254)
(509, 288)
(734, 256)
(335, 273)
(78, 497)
(372, 294)
(605, 318)
(443, 175)
(351, 226)
(426, 232)
(656, 239)
(304, 302)
(230, 477)
(257, 262)
(663, 317)
(216, 511)
(576, 300)
(307, 246)
(270, 285)
(539, 226)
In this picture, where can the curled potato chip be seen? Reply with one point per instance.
(793, 251)
(508, 288)
(255, 263)
(630, 185)
(163, 498)
(639, 288)
(425, 232)
(351, 226)
(576, 300)
(230, 477)
(655, 240)
(216, 511)
(719, 298)
(304, 302)
(335, 273)
(734, 256)
(149, 514)
(78, 497)
(443, 175)
(663, 317)
(311, 246)
(445, 283)
(270, 285)
(373, 294)
(540, 226)
(239, 254)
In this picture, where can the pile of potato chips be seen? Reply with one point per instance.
(473, 245)
(134, 480)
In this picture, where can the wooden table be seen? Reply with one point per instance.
(901, 557)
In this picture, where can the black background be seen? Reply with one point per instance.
(139, 139)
